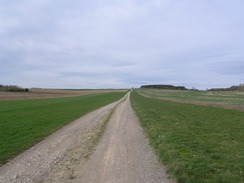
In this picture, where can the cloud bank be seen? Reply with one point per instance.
(121, 44)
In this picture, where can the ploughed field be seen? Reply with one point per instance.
(23, 123)
(35, 93)
(198, 143)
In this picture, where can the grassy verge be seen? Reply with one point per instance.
(25, 122)
(197, 143)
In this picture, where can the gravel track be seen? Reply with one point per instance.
(34, 164)
(122, 155)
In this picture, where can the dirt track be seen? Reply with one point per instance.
(122, 156)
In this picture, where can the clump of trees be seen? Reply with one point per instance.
(168, 87)
(13, 88)
(232, 88)
(241, 87)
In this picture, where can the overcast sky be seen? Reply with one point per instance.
(121, 43)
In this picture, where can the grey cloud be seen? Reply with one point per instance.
(121, 43)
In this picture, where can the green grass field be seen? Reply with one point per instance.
(232, 99)
(199, 144)
(26, 122)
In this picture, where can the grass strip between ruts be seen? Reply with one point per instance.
(26, 122)
(197, 143)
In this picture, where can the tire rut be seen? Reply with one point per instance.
(123, 154)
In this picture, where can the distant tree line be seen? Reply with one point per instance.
(12, 88)
(232, 88)
(168, 87)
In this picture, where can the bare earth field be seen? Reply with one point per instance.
(49, 93)
(122, 156)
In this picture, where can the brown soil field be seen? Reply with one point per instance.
(50, 93)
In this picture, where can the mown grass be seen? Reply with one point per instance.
(199, 144)
(25, 122)
(234, 99)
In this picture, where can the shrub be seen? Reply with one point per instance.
(13, 88)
